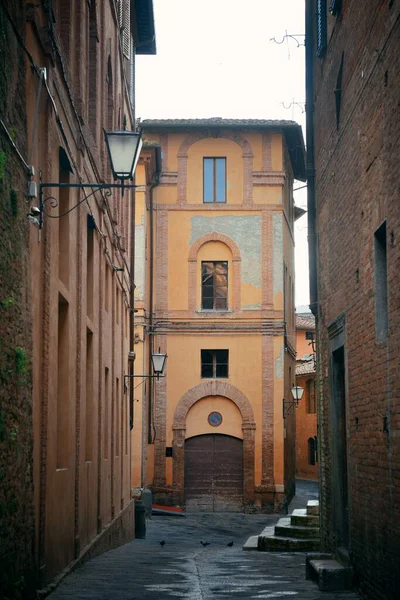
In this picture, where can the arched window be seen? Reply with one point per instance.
(312, 451)
(214, 273)
(311, 400)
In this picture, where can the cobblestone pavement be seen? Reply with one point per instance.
(183, 568)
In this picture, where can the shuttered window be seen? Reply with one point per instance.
(124, 22)
(321, 28)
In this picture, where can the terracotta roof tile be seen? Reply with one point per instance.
(305, 321)
(305, 368)
(149, 123)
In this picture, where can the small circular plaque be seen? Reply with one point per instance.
(215, 419)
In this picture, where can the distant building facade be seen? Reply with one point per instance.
(218, 299)
(306, 412)
(76, 63)
(353, 92)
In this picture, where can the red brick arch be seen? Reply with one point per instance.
(196, 393)
(234, 136)
(235, 278)
(212, 388)
(214, 237)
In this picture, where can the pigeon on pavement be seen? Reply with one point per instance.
(230, 544)
(204, 544)
(162, 543)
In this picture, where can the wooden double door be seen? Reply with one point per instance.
(214, 473)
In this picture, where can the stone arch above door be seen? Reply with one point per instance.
(196, 393)
(213, 388)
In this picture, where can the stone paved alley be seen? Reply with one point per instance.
(182, 568)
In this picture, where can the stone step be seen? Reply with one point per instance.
(300, 517)
(267, 541)
(284, 528)
(252, 543)
(330, 575)
(313, 507)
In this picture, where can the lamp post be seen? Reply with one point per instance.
(297, 394)
(123, 149)
(158, 360)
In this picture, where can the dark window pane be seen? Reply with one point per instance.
(207, 303)
(222, 370)
(221, 356)
(206, 370)
(221, 303)
(208, 180)
(220, 179)
(207, 356)
(208, 291)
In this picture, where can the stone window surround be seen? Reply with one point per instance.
(235, 279)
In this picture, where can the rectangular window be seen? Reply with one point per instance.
(214, 180)
(311, 400)
(106, 413)
(214, 364)
(381, 291)
(89, 266)
(89, 422)
(214, 285)
(63, 227)
(63, 386)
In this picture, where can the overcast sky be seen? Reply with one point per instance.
(215, 59)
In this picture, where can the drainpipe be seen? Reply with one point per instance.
(154, 183)
(311, 207)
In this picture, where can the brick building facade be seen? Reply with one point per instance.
(353, 89)
(17, 563)
(70, 279)
(223, 311)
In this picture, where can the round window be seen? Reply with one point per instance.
(215, 419)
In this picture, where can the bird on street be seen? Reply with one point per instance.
(162, 543)
(204, 544)
(230, 544)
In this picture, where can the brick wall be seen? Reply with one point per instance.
(16, 487)
(357, 187)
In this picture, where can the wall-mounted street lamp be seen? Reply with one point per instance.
(158, 360)
(123, 149)
(297, 394)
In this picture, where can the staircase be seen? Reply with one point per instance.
(330, 574)
(297, 533)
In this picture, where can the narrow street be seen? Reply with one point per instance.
(183, 568)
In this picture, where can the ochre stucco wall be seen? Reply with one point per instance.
(250, 232)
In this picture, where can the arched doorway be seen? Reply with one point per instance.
(214, 473)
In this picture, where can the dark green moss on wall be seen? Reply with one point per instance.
(17, 565)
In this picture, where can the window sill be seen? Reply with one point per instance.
(215, 378)
(214, 310)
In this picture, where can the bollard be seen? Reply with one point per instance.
(140, 520)
(147, 499)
